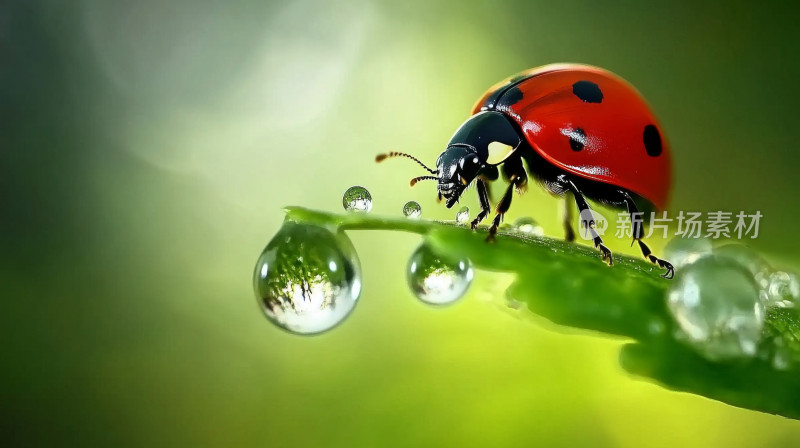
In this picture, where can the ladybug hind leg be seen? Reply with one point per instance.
(569, 234)
(637, 233)
(588, 226)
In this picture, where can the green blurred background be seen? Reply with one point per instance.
(147, 149)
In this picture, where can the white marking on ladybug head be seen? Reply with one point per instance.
(498, 153)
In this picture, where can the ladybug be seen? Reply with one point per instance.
(581, 130)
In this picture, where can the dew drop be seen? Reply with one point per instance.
(437, 279)
(412, 210)
(716, 305)
(357, 199)
(783, 290)
(747, 258)
(684, 251)
(528, 226)
(308, 278)
(462, 216)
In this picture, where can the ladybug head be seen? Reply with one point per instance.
(479, 145)
(457, 167)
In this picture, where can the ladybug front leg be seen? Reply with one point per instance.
(502, 207)
(583, 206)
(637, 233)
(483, 198)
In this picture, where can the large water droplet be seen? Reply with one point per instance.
(308, 278)
(357, 199)
(683, 251)
(412, 210)
(747, 258)
(783, 290)
(716, 305)
(528, 226)
(462, 216)
(438, 279)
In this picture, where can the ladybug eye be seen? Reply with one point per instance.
(475, 160)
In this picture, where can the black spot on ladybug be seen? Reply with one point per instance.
(652, 140)
(577, 139)
(587, 91)
(511, 97)
(491, 101)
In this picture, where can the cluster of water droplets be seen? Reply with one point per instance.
(720, 297)
(308, 278)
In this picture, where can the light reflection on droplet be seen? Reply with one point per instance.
(308, 278)
(528, 226)
(716, 305)
(684, 251)
(437, 279)
(357, 199)
(412, 210)
(462, 216)
(783, 290)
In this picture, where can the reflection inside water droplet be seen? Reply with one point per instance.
(528, 226)
(308, 278)
(357, 199)
(783, 290)
(462, 216)
(683, 251)
(716, 305)
(412, 210)
(437, 279)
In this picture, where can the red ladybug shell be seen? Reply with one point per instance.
(588, 122)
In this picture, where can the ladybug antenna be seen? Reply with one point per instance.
(382, 157)
(417, 179)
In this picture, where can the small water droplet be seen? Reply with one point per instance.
(412, 210)
(437, 279)
(357, 199)
(783, 290)
(528, 226)
(715, 303)
(684, 251)
(505, 227)
(308, 278)
(462, 217)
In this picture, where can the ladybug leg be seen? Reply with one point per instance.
(502, 208)
(569, 234)
(514, 171)
(648, 255)
(583, 206)
(513, 168)
(483, 197)
(489, 195)
(637, 233)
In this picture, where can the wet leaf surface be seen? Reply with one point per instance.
(569, 285)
